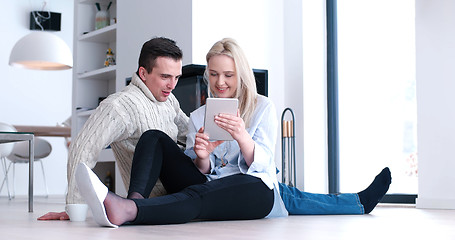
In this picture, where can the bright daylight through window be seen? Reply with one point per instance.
(377, 102)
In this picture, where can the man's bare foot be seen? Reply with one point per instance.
(119, 210)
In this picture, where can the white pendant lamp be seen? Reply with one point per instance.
(41, 51)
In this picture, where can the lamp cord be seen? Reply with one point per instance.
(40, 18)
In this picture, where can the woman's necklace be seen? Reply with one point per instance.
(223, 164)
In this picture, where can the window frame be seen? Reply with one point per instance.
(333, 111)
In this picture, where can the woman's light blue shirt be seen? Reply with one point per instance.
(263, 129)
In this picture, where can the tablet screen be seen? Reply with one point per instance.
(215, 106)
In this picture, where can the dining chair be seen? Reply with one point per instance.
(5, 151)
(20, 154)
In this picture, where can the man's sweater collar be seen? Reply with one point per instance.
(136, 81)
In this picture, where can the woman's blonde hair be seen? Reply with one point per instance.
(246, 83)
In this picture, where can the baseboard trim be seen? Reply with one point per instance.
(435, 203)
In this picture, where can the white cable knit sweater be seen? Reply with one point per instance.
(119, 121)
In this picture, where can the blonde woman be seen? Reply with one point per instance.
(230, 76)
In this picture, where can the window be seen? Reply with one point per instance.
(376, 93)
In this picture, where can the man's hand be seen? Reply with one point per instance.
(55, 216)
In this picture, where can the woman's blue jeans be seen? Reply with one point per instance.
(303, 203)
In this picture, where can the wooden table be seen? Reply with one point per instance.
(45, 131)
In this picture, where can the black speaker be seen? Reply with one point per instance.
(42, 20)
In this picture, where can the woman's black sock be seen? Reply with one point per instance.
(371, 196)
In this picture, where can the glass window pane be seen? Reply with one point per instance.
(377, 104)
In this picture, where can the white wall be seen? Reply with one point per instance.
(31, 97)
(141, 20)
(435, 55)
(293, 83)
(314, 96)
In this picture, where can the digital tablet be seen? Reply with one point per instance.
(213, 107)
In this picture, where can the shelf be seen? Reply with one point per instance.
(105, 73)
(105, 2)
(103, 35)
(86, 113)
(106, 155)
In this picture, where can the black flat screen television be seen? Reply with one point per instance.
(191, 90)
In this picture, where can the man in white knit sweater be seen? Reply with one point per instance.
(119, 121)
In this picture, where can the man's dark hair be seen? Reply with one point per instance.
(158, 47)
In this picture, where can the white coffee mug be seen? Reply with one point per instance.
(77, 212)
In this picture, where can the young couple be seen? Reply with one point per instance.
(212, 180)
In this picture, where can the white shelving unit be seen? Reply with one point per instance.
(91, 79)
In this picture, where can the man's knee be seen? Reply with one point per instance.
(153, 133)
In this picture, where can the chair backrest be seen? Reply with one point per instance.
(6, 148)
(20, 151)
